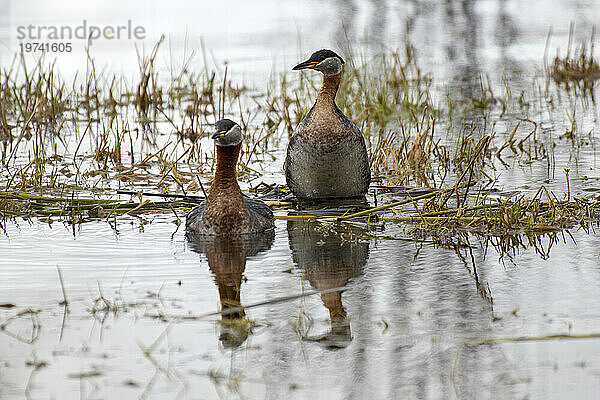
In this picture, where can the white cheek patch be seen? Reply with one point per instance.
(233, 137)
(330, 66)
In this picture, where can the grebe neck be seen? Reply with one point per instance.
(225, 173)
(326, 96)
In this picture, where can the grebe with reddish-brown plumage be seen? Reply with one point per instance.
(227, 211)
(327, 156)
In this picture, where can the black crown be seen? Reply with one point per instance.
(224, 125)
(321, 55)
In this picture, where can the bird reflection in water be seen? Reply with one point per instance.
(226, 258)
(329, 259)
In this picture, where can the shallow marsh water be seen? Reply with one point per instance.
(413, 320)
(417, 325)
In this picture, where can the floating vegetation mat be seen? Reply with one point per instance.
(77, 209)
(444, 211)
(543, 212)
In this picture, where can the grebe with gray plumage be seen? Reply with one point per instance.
(327, 156)
(227, 211)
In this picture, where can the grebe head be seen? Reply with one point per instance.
(325, 61)
(227, 133)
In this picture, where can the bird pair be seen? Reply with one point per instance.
(326, 158)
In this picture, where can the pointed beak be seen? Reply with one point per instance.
(218, 134)
(305, 65)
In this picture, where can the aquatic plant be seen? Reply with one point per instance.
(76, 151)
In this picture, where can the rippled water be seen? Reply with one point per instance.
(414, 327)
(414, 320)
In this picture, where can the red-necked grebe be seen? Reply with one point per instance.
(327, 157)
(226, 211)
